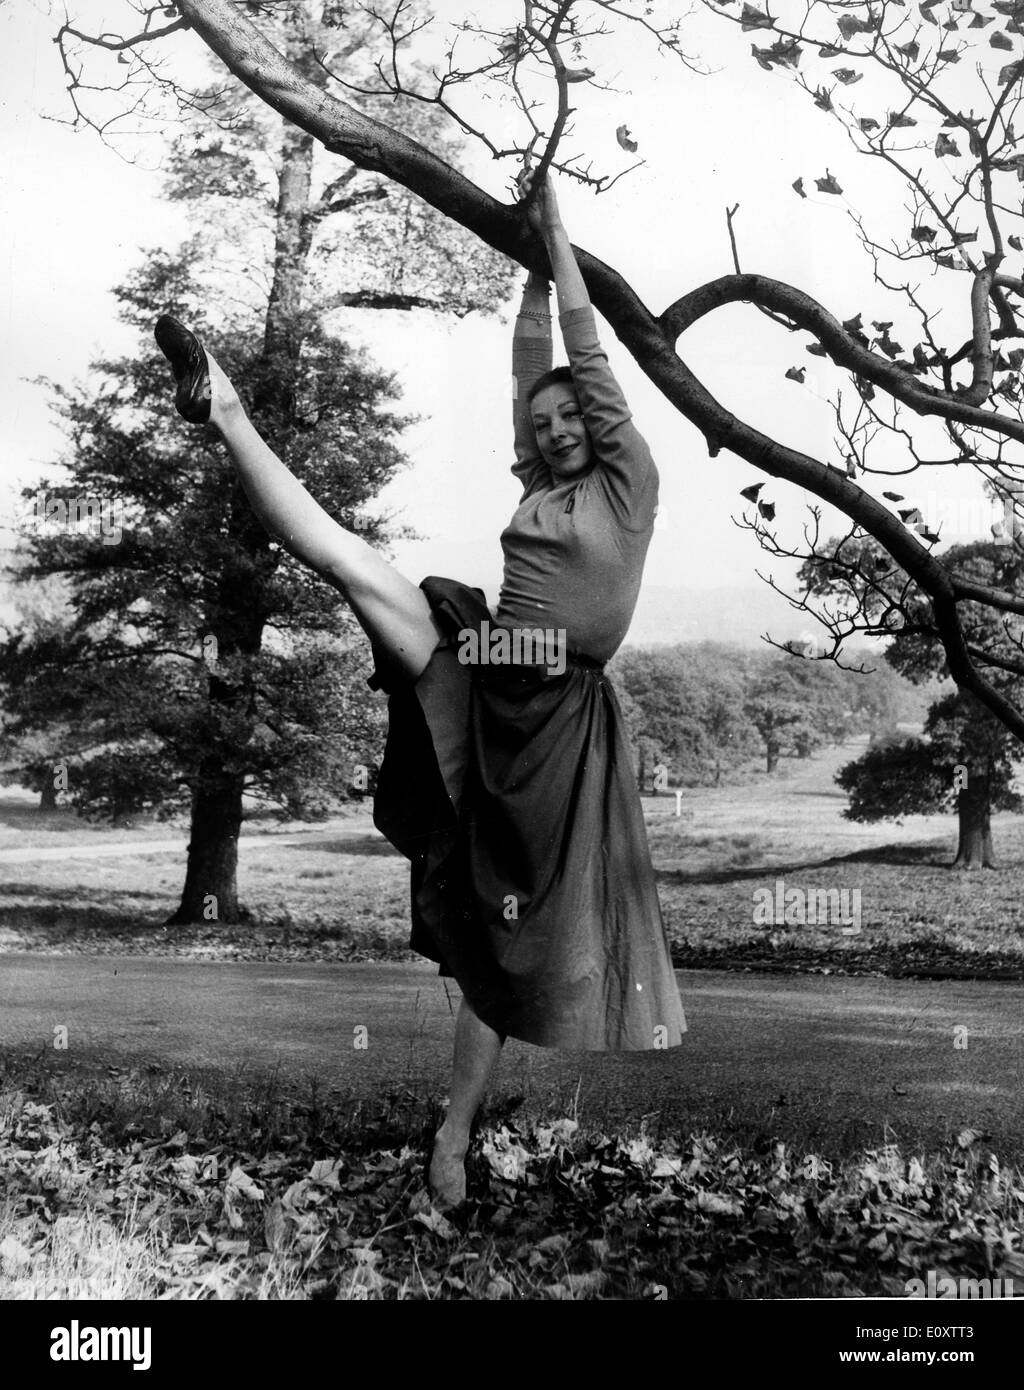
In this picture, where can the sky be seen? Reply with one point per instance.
(74, 217)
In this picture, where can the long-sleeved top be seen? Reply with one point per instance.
(575, 550)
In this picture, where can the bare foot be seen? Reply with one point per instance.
(447, 1176)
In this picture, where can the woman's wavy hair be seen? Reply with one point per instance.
(558, 376)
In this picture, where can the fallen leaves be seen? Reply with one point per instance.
(555, 1213)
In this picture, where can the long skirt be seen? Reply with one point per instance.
(511, 791)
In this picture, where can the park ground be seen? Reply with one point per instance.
(338, 891)
(131, 1169)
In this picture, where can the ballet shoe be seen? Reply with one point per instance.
(191, 371)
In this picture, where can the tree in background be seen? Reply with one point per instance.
(683, 708)
(702, 711)
(967, 758)
(777, 708)
(966, 762)
(206, 664)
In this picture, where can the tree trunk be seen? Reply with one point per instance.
(48, 797)
(974, 812)
(292, 238)
(210, 893)
(237, 614)
(772, 751)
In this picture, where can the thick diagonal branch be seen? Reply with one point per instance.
(372, 145)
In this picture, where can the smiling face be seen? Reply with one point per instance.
(562, 436)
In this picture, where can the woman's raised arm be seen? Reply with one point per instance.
(626, 468)
(544, 217)
(531, 358)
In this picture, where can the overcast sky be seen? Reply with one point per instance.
(74, 218)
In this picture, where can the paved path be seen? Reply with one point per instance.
(819, 1060)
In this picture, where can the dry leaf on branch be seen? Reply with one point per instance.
(754, 19)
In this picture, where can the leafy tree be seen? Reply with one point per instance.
(683, 707)
(31, 748)
(205, 663)
(967, 758)
(930, 98)
(798, 706)
(966, 762)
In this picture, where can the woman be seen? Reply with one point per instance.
(507, 781)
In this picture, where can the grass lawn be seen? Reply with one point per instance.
(340, 892)
(122, 1183)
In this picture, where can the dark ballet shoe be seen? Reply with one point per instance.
(188, 362)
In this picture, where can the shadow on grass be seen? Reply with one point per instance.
(363, 845)
(17, 814)
(926, 856)
(78, 909)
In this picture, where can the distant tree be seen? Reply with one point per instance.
(796, 707)
(31, 748)
(967, 758)
(965, 762)
(684, 709)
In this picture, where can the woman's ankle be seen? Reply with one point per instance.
(226, 413)
(452, 1138)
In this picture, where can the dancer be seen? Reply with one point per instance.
(507, 780)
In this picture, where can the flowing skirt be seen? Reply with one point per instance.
(511, 791)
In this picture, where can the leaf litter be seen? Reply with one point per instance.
(555, 1212)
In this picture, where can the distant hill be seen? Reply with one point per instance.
(738, 615)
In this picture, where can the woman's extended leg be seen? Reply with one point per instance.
(392, 611)
(396, 617)
(476, 1052)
